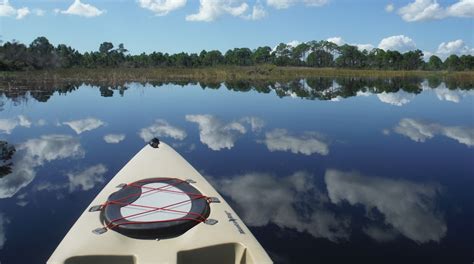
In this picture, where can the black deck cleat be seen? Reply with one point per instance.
(154, 143)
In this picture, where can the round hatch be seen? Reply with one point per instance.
(155, 208)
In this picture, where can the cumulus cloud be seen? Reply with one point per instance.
(270, 199)
(258, 12)
(420, 131)
(389, 8)
(407, 207)
(83, 125)
(283, 4)
(400, 43)
(7, 10)
(216, 134)
(340, 41)
(457, 47)
(80, 9)
(114, 138)
(162, 7)
(209, 10)
(34, 153)
(161, 128)
(307, 144)
(421, 10)
(7, 125)
(399, 98)
(86, 179)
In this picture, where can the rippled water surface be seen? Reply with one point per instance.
(336, 170)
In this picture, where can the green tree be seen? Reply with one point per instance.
(262, 55)
(467, 62)
(42, 53)
(413, 60)
(435, 63)
(453, 63)
(320, 58)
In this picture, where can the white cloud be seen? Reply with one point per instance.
(209, 10)
(216, 134)
(400, 43)
(457, 47)
(307, 144)
(86, 179)
(34, 153)
(161, 128)
(337, 40)
(283, 4)
(399, 98)
(258, 12)
(340, 41)
(463, 8)
(7, 10)
(7, 125)
(162, 7)
(83, 125)
(389, 8)
(420, 10)
(420, 131)
(3, 222)
(408, 207)
(270, 199)
(22, 12)
(80, 9)
(114, 138)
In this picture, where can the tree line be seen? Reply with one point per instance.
(41, 54)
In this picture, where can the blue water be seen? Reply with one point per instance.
(348, 175)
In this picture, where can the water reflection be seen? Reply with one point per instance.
(7, 125)
(307, 144)
(402, 207)
(84, 180)
(114, 138)
(82, 125)
(237, 131)
(406, 206)
(396, 91)
(3, 222)
(289, 202)
(161, 128)
(217, 134)
(420, 131)
(34, 153)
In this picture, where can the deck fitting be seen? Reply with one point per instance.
(213, 200)
(96, 208)
(99, 231)
(210, 221)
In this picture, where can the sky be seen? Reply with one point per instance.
(435, 27)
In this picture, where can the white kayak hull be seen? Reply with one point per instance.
(227, 241)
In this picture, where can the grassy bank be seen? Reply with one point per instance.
(227, 73)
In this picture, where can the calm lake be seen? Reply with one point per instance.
(322, 170)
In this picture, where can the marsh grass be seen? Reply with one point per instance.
(218, 74)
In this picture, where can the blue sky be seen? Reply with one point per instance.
(439, 27)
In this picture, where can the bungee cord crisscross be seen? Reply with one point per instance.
(113, 223)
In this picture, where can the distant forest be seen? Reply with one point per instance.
(41, 54)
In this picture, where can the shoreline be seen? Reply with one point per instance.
(221, 73)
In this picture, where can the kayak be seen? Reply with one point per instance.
(159, 209)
